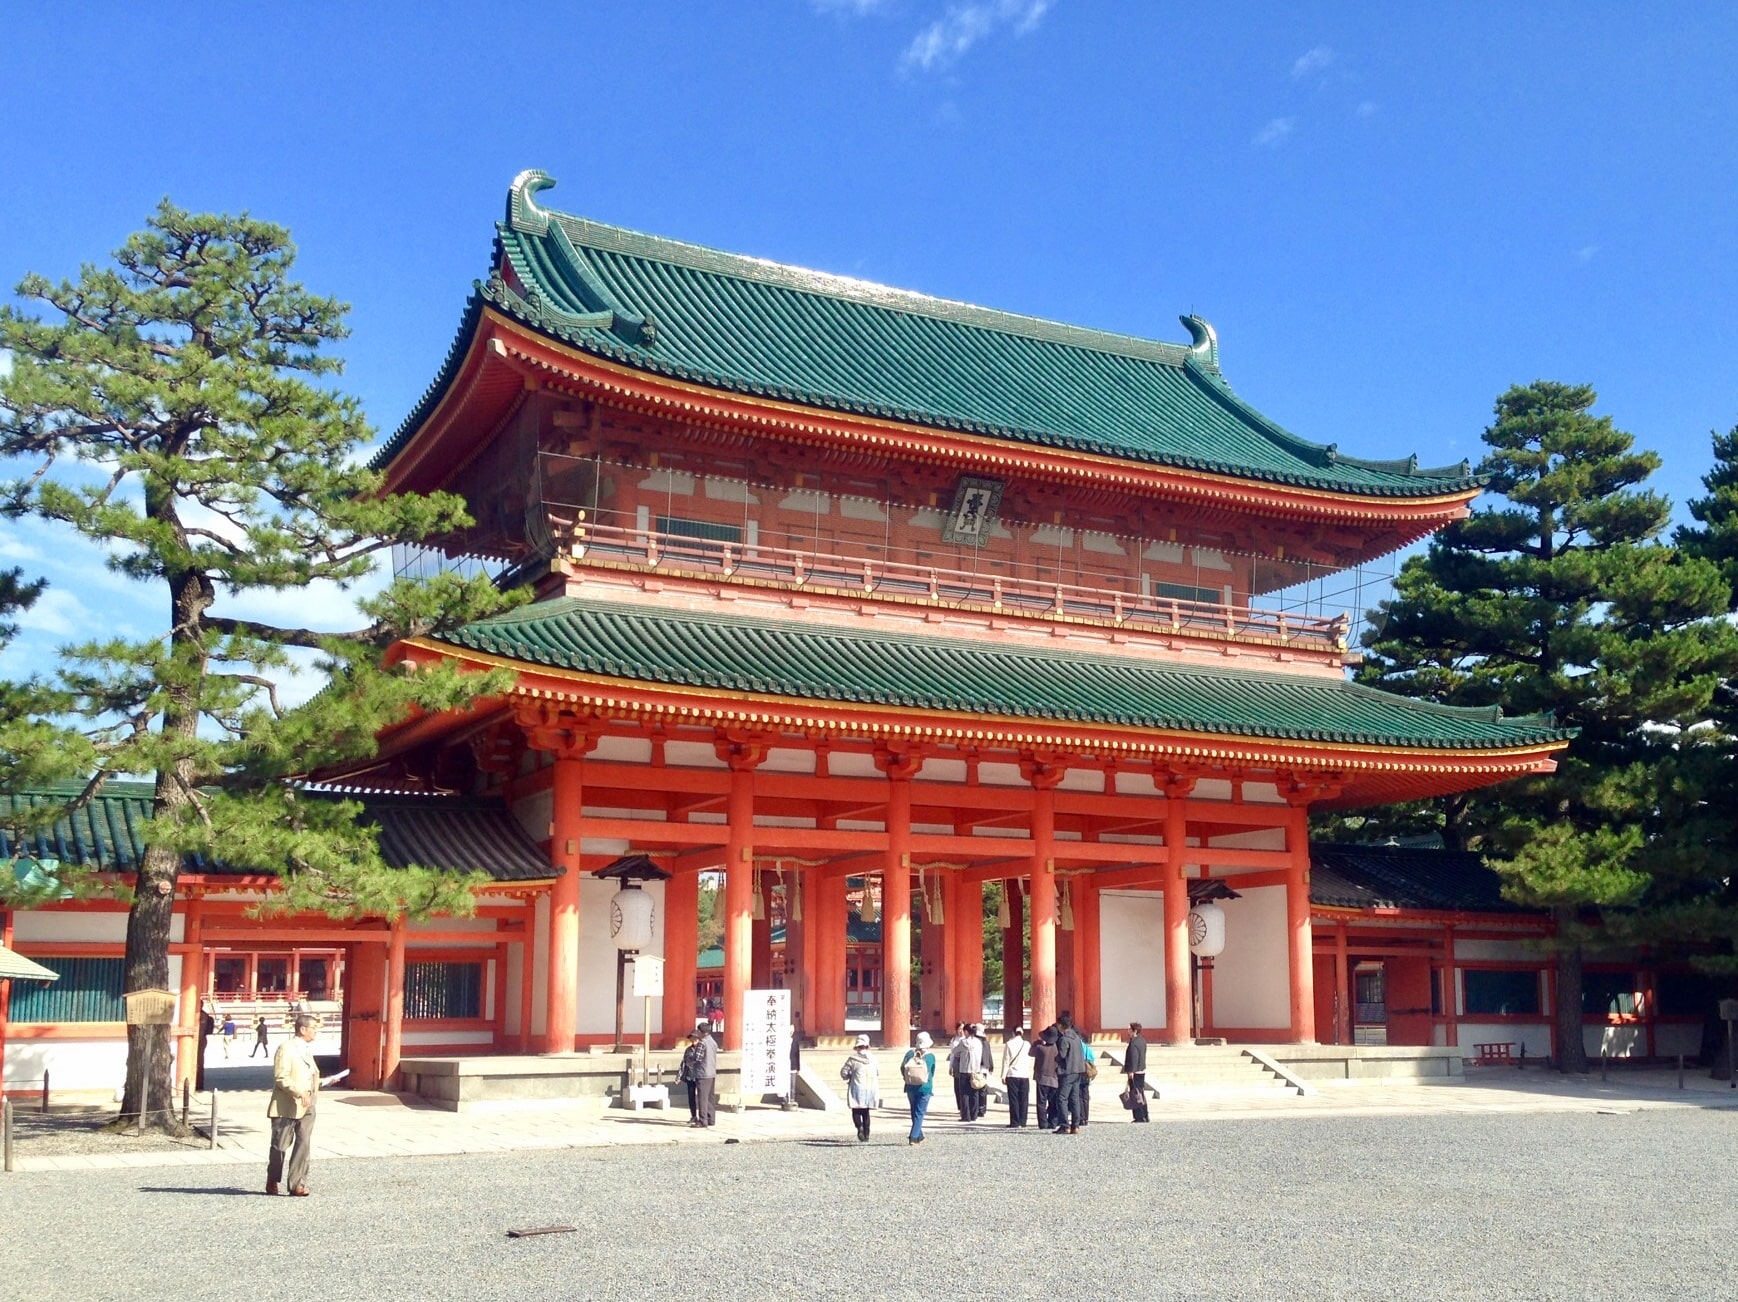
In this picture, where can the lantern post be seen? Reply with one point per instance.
(631, 929)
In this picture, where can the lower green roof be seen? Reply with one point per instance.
(827, 664)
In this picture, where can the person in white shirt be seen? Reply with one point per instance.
(295, 1087)
(1017, 1075)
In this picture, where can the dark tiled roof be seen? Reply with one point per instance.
(819, 663)
(1401, 877)
(749, 326)
(430, 831)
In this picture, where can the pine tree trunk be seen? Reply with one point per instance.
(1571, 1049)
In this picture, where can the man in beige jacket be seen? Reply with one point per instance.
(295, 1086)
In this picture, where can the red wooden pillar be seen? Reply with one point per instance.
(1087, 962)
(1043, 772)
(760, 933)
(1300, 946)
(829, 919)
(365, 1013)
(795, 964)
(899, 765)
(1013, 955)
(937, 1011)
(5, 996)
(394, 1039)
(681, 955)
(528, 977)
(1342, 988)
(743, 752)
(1179, 993)
(187, 1048)
(561, 1001)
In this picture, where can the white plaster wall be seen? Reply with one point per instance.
(1000, 775)
(625, 750)
(1135, 784)
(1261, 838)
(1535, 1035)
(942, 770)
(1131, 940)
(534, 813)
(780, 760)
(597, 961)
(445, 1037)
(103, 928)
(1497, 951)
(1251, 986)
(1614, 1041)
(515, 974)
(540, 968)
(448, 924)
(692, 754)
(1678, 1037)
(71, 1064)
(1212, 789)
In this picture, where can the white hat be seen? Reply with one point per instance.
(862, 1041)
(923, 1040)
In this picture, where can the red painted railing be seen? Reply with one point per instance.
(715, 558)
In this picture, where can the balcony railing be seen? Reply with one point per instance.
(996, 594)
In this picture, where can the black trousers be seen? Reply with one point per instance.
(861, 1117)
(1018, 1091)
(693, 1100)
(1068, 1111)
(1137, 1082)
(963, 1096)
(1046, 1107)
(708, 1099)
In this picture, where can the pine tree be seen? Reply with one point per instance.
(177, 410)
(1562, 600)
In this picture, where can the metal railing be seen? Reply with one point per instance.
(998, 594)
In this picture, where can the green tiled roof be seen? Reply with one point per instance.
(754, 327)
(1403, 877)
(819, 663)
(457, 835)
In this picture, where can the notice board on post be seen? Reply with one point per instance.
(766, 1043)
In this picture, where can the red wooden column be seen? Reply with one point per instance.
(1178, 986)
(394, 1039)
(937, 1011)
(743, 752)
(796, 963)
(828, 921)
(5, 994)
(1300, 946)
(1014, 955)
(1343, 1018)
(899, 763)
(760, 933)
(187, 1048)
(1043, 772)
(528, 976)
(681, 954)
(965, 925)
(365, 1013)
(1087, 963)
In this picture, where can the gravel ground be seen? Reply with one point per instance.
(83, 1130)
(1525, 1206)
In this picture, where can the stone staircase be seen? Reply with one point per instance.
(1203, 1071)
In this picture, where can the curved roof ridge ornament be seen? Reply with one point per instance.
(523, 214)
(1203, 340)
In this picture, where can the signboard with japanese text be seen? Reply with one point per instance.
(766, 1043)
(648, 977)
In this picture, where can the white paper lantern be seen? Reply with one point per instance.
(1206, 930)
(631, 918)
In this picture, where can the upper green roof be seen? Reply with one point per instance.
(821, 663)
(750, 326)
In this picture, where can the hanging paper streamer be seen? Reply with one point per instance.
(937, 912)
(869, 912)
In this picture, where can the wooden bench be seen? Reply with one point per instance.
(1499, 1053)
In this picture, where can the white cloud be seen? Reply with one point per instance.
(59, 614)
(1311, 61)
(945, 41)
(1276, 132)
(12, 549)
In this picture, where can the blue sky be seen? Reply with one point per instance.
(1390, 213)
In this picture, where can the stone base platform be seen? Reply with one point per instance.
(467, 1084)
(1371, 1062)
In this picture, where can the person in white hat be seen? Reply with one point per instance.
(863, 1086)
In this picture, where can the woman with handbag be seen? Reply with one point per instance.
(917, 1070)
(863, 1086)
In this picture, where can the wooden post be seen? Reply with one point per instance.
(681, 954)
(1013, 955)
(394, 1005)
(561, 1011)
(1043, 778)
(6, 1127)
(1300, 948)
(1088, 1010)
(211, 1138)
(5, 993)
(830, 919)
(1343, 1019)
(528, 977)
(1179, 972)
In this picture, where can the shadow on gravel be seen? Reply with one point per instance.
(230, 1192)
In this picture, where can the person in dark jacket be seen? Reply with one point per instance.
(1044, 1074)
(689, 1075)
(1071, 1075)
(706, 1073)
(1134, 1066)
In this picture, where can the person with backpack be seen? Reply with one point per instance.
(863, 1086)
(917, 1070)
(1071, 1072)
